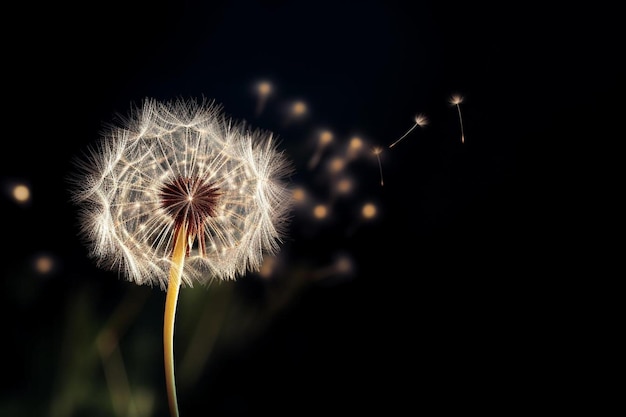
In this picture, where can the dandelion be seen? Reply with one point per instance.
(180, 194)
(420, 120)
(456, 100)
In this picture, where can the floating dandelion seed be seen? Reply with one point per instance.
(420, 120)
(181, 194)
(456, 100)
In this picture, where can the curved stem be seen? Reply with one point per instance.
(173, 286)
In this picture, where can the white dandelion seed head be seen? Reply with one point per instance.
(182, 160)
(456, 99)
(421, 120)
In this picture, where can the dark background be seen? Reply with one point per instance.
(462, 285)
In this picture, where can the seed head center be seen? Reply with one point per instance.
(190, 201)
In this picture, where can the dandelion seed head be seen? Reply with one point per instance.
(421, 120)
(456, 99)
(175, 163)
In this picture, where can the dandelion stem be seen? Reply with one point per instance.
(403, 136)
(461, 121)
(173, 286)
(456, 100)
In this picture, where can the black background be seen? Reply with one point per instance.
(463, 284)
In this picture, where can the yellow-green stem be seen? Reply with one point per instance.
(173, 286)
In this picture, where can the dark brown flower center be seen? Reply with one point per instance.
(190, 201)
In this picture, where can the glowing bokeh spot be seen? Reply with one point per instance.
(344, 185)
(298, 108)
(299, 195)
(326, 137)
(21, 193)
(264, 88)
(337, 164)
(343, 264)
(44, 264)
(356, 143)
(368, 211)
(267, 267)
(320, 211)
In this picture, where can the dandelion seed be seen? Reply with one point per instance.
(377, 151)
(420, 120)
(181, 194)
(456, 100)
